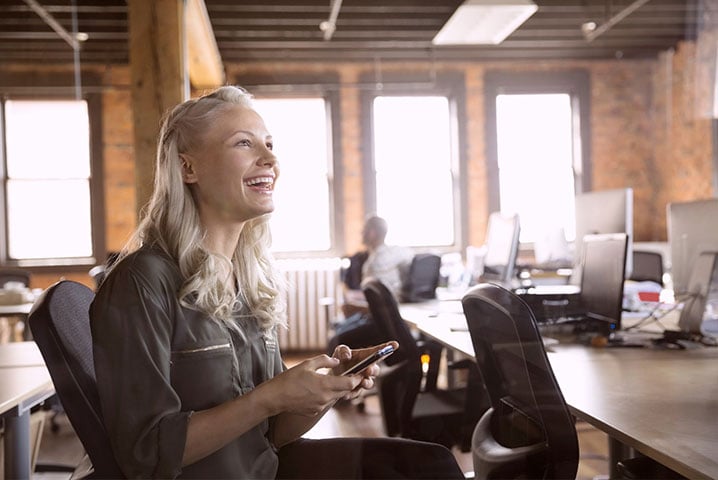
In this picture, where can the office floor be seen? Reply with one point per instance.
(63, 447)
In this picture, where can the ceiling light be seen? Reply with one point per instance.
(485, 22)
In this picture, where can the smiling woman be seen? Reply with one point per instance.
(185, 325)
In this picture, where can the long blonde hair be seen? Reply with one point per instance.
(171, 222)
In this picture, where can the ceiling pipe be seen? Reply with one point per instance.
(50, 20)
(330, 25)
(603, 28)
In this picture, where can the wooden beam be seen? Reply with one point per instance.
(205, 62)
(159, 79)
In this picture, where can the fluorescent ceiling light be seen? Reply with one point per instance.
(484, 22)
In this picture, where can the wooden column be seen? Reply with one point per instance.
(160, 79)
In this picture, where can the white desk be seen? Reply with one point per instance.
(24, 383)
(663, 403)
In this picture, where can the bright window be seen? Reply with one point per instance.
(302, 216)
(47, 190)
(536, 162)
(413, 167)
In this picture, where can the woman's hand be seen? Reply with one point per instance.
(348, 357)
(307, 389)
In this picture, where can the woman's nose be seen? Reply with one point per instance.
(268, 158)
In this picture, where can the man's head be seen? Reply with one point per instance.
(374, 232)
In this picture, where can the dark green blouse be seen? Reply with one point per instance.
(156, 362)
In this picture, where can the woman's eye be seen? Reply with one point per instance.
(244, 143)
(270, 146)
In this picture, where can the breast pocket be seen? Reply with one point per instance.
(203, 376)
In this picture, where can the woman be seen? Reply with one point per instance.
(184, 326)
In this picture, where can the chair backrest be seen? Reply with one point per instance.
(647, 266)
(528, 411)
(406, 374)
(60, 324)
(422, 279)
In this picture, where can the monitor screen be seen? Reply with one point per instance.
(604, 211)
(502, 246)
(604, 266)
(688, 236)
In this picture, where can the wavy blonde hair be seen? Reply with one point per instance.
(171, 222)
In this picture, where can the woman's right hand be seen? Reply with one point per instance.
(308, 389)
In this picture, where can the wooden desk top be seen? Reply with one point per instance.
(20, 354)
(23, 386)
(664, 403)
(19, 309)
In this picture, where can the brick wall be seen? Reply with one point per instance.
(649, 131)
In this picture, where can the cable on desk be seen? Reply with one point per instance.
(651, 316)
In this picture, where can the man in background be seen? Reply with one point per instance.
(388, 263)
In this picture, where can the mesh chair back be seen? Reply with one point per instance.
(423, 278)
(398, 392)
(60, 324)
(527, 407)
(647, 266)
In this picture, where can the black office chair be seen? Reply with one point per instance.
(60, 324)
(412, 405)
(528, 432)
(422, 278)
(647, 266)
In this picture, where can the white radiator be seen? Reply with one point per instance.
(314, 292)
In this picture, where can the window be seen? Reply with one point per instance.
(536, 173)
(47, 180)
(302, 218)
(415, 169)
(538, 151)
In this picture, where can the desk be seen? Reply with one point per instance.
(663, 403)
(16, 312)
(24, 383)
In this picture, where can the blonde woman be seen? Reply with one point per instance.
(189, 373)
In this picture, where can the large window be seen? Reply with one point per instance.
(538, 150)
(302, 219)
(413, 159)
(535, 159)
(47, 176)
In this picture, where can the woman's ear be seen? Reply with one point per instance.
(188, 175)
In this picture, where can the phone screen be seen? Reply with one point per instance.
(368, 361)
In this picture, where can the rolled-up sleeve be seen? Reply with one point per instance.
(132, 324)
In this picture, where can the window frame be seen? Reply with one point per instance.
(575, 83)
(97, 200)
(448, 84)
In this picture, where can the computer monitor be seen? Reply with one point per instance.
(604, 266)
(691, 230)
(502, 247)
(702, 292)
(604, 211)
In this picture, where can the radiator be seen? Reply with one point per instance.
(313, 296)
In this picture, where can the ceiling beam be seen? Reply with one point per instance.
(205, 62)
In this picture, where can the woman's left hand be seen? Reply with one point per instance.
(348, 357)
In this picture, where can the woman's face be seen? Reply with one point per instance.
(233, 171)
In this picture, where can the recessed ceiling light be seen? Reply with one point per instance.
(486, 22)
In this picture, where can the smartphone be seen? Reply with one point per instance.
(368, 361)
